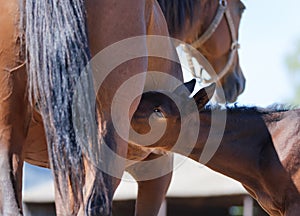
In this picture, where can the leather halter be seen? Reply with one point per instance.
(222, 9)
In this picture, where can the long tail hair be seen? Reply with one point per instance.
(57, 54)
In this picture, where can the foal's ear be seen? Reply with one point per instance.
(182, 89)
(204, 95)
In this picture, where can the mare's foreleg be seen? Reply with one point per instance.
(153, 182)
(106, 27)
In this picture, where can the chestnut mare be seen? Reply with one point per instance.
(152, 191)
(58, 47)
(259, 147)
(22, 128)
(211, 27)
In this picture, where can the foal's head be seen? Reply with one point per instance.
(159, 114)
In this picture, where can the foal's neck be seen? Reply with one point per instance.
(246, 136)
(258, 149)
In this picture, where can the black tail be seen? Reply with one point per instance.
(57, 47)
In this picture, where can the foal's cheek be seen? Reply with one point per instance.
(140, 127)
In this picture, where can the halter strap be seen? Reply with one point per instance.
(213, 26)
(222, 9)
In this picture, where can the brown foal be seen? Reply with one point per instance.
(259, 147)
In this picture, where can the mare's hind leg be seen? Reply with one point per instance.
(13, 127)
(13, 110)
(153, 182)
(106, 27)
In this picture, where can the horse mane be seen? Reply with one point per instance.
(57, 54)
(175, 12)
(270, 114)
(236, 108)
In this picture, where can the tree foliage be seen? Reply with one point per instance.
(293, 66)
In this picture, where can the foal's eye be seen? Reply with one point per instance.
(158, 113)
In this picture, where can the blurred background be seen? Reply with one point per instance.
(270, 58)
(269, 54)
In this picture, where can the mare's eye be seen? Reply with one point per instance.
(158, 113)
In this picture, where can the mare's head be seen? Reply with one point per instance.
(159, 117)
(190, 20)
(222, 44)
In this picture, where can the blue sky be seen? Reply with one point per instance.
(269, 30)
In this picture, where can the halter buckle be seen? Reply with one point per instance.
(223, 3)
(235, 45)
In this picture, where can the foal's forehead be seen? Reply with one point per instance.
(157, 97)
(167, 101)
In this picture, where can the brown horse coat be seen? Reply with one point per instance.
(258, 147)
(36, 151)
(22, 134)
